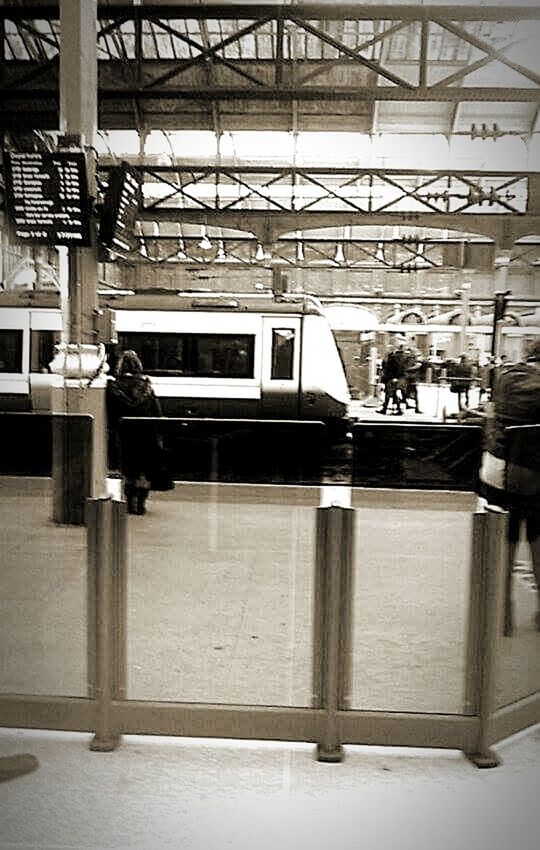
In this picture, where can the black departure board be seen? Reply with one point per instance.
(120, 208)
(47, 197)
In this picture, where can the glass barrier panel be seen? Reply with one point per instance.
(417, 455)
(411, 600)
(26, 440)
(220, 595)
(519, 662)
(43, 622)
(228, 450)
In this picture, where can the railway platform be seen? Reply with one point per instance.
(436, 402)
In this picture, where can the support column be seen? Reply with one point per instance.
(373, 400)
(79, 367)
(465, 310)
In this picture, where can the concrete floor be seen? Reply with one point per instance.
(194, 794)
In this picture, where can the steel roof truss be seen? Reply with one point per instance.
(252, 190)
(385, 34)
(486, 48)
(329, 193)
(352, 54)
(408, 193)
(476, 195)
(34, 73)
(210, 52)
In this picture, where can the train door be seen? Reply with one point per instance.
(280, 379)
(14, 359)
(45, 333)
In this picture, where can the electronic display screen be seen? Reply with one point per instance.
(120, 208)
(47, 197)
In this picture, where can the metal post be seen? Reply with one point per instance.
(475, 615)
(465, 310)
(502, 263)
(332, 622)
(492, 576)
(106, 614)
(78, 367)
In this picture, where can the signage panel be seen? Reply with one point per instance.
(47, 197)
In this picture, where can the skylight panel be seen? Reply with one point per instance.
(15, 43)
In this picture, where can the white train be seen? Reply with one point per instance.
(30, 326)
(207, 354)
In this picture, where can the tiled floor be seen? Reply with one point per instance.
(208, 795)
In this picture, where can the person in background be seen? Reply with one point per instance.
(483, 377)
(392, 376)
(412, 365)
(512, 480)
(461, 378)
(132, 394)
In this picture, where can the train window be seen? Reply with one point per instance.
(282, 353)
(42, 349)
(224, 355)
(193, 355)
(11, 346)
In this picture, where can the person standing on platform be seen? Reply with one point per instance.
(511, 480)
(461, 381)
(483, 378)
(132, 394)
(392, 376)
(412, 366)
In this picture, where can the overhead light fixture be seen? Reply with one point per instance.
(339, 256)
(204, 244)
(379, 253)
(221, 255)
(259, 253)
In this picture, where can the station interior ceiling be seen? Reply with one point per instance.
(315, 138)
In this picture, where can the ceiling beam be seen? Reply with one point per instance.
(9, 93)
(341, 11)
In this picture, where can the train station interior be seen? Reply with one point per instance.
(315, 627)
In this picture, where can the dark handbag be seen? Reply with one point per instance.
(160, 478)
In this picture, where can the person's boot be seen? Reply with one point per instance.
(131, 499)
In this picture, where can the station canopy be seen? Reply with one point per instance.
(311, 88)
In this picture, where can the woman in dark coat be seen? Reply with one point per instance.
(132, 394)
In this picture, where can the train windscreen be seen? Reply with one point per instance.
(192, 355)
